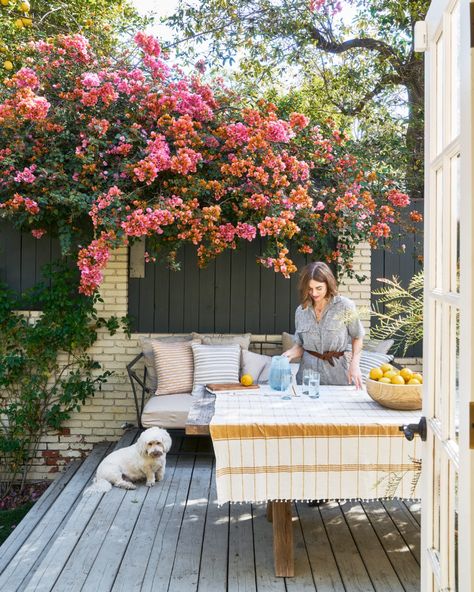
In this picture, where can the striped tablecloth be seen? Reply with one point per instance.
(341, 446)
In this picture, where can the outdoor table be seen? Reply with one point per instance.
(341, 446)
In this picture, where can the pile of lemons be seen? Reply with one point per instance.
(387, 374)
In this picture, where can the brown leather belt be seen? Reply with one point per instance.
(326, 356)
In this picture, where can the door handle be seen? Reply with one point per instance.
(414, 428)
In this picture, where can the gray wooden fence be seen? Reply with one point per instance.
(233, 294)
(22, 257)
(401, 259)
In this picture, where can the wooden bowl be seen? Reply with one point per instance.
(395, 396)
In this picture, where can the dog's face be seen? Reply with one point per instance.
(154, 442)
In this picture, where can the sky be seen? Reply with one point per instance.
(157, 8)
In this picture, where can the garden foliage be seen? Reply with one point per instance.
(105, 151)
(45, 370)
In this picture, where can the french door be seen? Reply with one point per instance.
(448, 478)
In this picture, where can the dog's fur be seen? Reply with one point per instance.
(144, 459)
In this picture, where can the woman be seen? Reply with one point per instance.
(325, 324)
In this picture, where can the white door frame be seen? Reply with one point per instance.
(448, 461)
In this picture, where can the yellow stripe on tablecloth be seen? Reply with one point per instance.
(252, 431)
(310, 468)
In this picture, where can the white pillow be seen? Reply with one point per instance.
(257, 365)
(215, 363)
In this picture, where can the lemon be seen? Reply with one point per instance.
(385, 380)
(406, 373)
(390, 374)
(19, 24)
(4, 2)
(376, 373)
(413, 381)
(7, 65)
(246, 380)
(418, 377)
(25, 6)
(386, 367)
(397, 379)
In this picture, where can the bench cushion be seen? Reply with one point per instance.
(167, 411)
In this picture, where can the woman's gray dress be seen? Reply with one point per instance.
(339, 324)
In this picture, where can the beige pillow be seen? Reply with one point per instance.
(174, 367)
(147, 349)
(287, 343)
(225, 339)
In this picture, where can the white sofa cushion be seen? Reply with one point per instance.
(167, 411)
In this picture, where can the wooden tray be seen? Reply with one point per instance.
(230, 386)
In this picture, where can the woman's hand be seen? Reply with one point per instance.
(294, 352)
(354, 375)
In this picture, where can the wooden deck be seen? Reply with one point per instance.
(173, 537)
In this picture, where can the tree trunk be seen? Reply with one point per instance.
(415, 131)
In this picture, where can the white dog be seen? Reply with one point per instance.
(144, 459)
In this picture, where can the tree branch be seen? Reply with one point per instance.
(335, 47)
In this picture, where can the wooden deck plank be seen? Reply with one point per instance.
(414, 507)
(351, 567)
(132, 569)
(263, 540)
(303, 581)
(49, 568)
(174, 537)
(241, 568)
(406, 524)
(397, 551)
(37, 543)
(88, 547)
(381, 572)
(160, 563)
(215, 546)
(11, 546)
(185, 572)
(323, 564)
(104, 570)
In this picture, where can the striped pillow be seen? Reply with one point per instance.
(215, 363)
(174, 367)
(370, 360)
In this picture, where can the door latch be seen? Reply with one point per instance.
(411, 429)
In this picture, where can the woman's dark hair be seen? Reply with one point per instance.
(319, 272)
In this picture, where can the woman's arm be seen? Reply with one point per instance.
(294, 352)
(354, 375)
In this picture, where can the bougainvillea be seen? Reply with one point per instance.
(104, 152)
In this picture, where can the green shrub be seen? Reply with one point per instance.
(45, 370)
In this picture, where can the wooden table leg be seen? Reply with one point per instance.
(283, 539)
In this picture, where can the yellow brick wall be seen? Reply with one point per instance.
(102, 417)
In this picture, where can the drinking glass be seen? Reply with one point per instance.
(313, 385)
(307, 372)
(285, 384)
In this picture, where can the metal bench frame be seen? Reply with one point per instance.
(139, 387)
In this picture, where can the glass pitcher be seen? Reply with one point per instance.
(280, 373)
